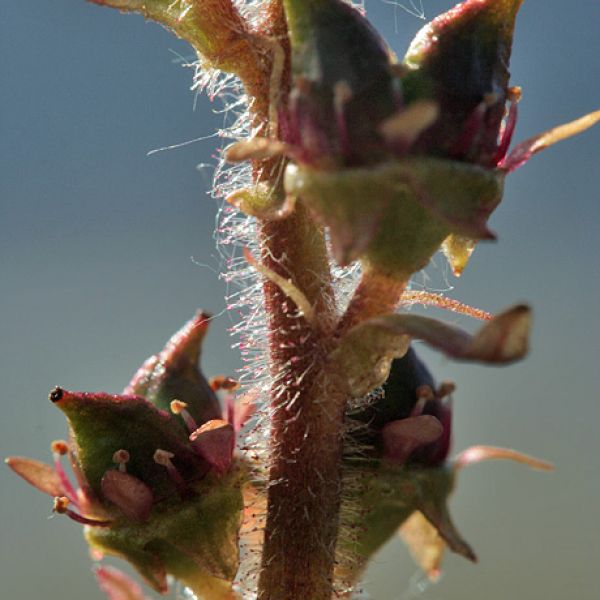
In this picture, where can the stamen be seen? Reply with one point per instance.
(230, 410)
(446, 389)
(59, 449)
(407, 125)
(506, 132)
(61, 507)
(471, 129)
(424, 394)
(121, 458)
(342, 93)
(180, 408)
(163, 458)
(222, 382)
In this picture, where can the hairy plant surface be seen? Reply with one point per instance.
(349, 169)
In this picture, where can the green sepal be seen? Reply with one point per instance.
(388, 497)
(332, 42)
(413, 205)
(194, 539)
(466, 51)
(101, 424)
(174, 374)
(342, 72)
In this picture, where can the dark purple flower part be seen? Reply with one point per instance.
(460, 60)
(401, 454)
(343, 85)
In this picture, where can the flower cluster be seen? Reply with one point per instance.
(157, 480)
(401, 458)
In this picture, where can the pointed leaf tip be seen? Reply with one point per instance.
(175, 373)
(437, 514)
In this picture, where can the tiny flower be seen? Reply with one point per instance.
(406, 477)
(157, 481)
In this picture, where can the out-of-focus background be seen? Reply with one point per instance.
(105, 251)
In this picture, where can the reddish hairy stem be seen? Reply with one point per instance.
(307, 408)
(307, 418)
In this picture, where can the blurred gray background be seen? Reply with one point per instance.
(105, 251)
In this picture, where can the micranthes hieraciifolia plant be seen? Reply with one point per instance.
(349, 169)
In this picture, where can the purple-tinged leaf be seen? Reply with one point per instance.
(365, 353)
(214, 441)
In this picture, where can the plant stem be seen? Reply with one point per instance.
(306, 405)
(307, 412)
(375, 295)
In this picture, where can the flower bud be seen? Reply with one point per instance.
(401, 477)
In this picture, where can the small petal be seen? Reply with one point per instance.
(133, 497)
(215, 441)
(38, 474)
(118, 586)
(461, 60)
(525, 150)
(401, 438)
